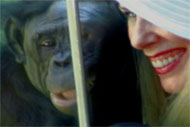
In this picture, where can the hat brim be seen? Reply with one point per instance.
(162, 14)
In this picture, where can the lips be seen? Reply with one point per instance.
(166, 61)
(64, 100)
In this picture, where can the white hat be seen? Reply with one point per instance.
(171, 15)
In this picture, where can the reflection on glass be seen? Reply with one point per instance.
(37, 79)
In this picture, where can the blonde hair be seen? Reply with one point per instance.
(157, 107)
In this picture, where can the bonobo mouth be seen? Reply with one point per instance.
(66, 100)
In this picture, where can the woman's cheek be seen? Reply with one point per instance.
(131, 26)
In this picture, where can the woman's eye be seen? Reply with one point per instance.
(127, 13)
(48, 43)
(130, 14)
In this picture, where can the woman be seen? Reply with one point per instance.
(161, 30)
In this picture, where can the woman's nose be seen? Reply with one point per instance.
(143, 34)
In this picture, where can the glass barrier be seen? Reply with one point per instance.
(45, 74)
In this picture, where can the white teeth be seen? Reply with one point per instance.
(165, 62)
(170, 59)
(158, 63)
(154, 64)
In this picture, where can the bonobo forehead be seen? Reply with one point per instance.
(88, 9)
(57, 11)
(93, 13)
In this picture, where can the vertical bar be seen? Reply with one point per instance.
(76, 49)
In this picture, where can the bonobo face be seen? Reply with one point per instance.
(48, 54)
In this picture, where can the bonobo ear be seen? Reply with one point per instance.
(14, 36)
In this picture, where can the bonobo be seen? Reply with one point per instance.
(36, 66)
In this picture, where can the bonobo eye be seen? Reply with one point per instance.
(47, 43)
(85, 35)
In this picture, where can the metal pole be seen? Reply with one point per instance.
(75, 39)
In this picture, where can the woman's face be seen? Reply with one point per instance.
(168, 53)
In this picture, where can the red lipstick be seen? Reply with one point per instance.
(166, 61)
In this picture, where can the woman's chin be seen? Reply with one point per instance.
(172, 85)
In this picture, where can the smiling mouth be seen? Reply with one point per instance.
(166, 61)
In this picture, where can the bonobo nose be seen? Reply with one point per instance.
(62, 59)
